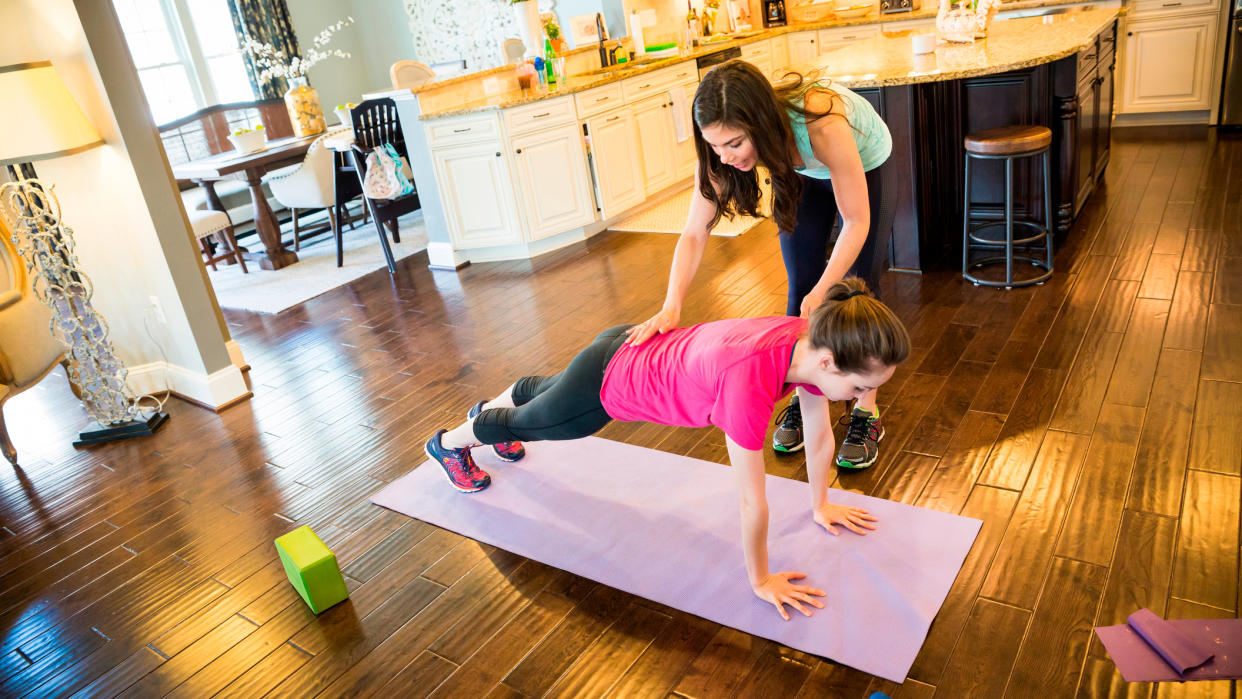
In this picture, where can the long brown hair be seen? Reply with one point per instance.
(736, 94)
(858, 329)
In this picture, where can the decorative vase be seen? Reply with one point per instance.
(526, 13)
(962, 24)
(302, 101)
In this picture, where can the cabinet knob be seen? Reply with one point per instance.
(519, 150)
(1129, 33)
(497, 154)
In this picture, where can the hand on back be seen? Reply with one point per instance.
(659, 323)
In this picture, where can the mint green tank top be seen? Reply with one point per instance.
(870, 135)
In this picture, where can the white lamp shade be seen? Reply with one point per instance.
(40, 119)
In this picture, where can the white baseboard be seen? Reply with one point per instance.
(209, 390)
(1200, 117)
(235, 354)
(525, 251)
(443, 256)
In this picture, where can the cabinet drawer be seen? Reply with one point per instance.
(1088, 57)
(648, 84)
(465, 129)
(1145, 8)
(544, 113)
(837, 35)
(598, 99)
(757, 51)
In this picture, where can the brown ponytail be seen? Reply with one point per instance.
(858, 329)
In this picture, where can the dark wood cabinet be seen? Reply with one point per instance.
(923, 180)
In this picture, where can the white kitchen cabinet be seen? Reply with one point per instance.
(759, 54)
(686, 157)
(477, 192)
(550, 167)
(618, 173)
(780, 53)
(1167, 64)
(803, 48)
(653, 120)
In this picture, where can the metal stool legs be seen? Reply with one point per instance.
(971, 238)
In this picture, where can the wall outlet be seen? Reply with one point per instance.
(158, 310)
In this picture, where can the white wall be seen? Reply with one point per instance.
(103, 202)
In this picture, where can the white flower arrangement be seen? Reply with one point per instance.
(275, 64)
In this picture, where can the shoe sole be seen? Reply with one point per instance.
(787, 450)
(450, 478)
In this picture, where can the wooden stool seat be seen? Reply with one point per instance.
(1008, 140)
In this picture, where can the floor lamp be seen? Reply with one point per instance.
(41, 121)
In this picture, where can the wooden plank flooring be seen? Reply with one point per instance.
(1092, 423)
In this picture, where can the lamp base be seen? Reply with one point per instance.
(96, 432)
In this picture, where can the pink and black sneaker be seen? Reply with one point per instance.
(458, 465)
(507, 451)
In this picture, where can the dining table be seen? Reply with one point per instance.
(251, 167)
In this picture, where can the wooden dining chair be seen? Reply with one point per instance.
(375, 124)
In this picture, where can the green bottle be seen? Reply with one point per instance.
(549, 63)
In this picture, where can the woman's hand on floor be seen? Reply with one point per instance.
(777, 590)
(660, 323)
(852, 518)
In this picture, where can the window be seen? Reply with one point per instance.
(186, 53)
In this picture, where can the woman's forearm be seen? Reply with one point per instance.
(755, 541)
(849, 244)
(686, 259)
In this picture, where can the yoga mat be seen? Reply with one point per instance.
(666, 527)
(1150, 649)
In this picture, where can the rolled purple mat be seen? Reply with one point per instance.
(1180, 651)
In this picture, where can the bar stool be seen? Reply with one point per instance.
(1008, 143)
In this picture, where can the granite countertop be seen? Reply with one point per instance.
(1012, 44)
(883, 60)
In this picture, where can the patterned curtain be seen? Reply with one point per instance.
(268, 22)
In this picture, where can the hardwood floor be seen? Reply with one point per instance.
(1092, 424)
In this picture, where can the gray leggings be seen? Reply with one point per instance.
(565, 406)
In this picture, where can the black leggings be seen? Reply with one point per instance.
(565, 406)
(805, 249)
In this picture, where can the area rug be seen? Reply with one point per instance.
(315, 272)
(665, 527)
(669, 216)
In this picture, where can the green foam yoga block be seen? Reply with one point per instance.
(311, 568)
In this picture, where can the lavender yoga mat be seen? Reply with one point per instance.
(1150, 649)
(666, 527)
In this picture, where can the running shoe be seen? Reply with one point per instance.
(861, 445)
(458, 465)
(788, 436)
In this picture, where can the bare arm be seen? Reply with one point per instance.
(774, 588)
(819, 448)
(686, 259)
(832, 141)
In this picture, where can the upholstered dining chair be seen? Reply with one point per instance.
(28, 351)
(206, 224)
(406, 74)
(375, 124)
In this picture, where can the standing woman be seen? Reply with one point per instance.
(822, 145)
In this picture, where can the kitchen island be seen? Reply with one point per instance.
(507, 174)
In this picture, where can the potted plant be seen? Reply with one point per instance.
(246, 141)
(553, 31)
(301, 99)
